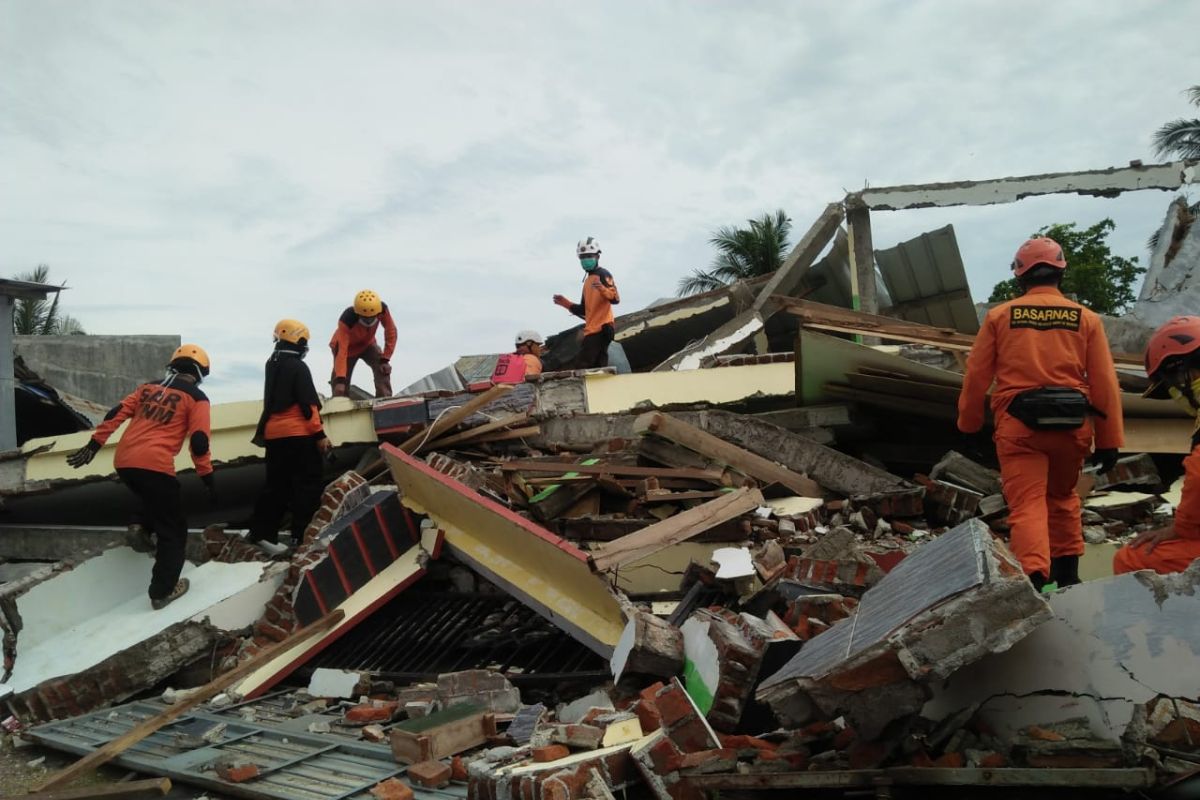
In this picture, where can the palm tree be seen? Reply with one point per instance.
(743, 253)
(1180, 137)
(41, 317)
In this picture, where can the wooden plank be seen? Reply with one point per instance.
(744, 461)
(615, 470)
(131, 790)
(210, 690)
(504, 436)
(451, 418)
(479, 430)
(679, 497)
(679, 528)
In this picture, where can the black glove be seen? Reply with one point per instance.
(1106, 458)
(211, 486)
(341, 387)
(84, 455)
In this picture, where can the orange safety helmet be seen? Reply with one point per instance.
(194, 352)
(1180, 336)
(1038, 250)
(367, 304)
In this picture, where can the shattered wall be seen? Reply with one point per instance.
(102, 369)
(1172, 282)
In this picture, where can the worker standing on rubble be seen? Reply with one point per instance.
(1173, 364)
(515, 367)
(290, 429)
(594, 307)
(1053, 369)
(354, 339)
(163, 415)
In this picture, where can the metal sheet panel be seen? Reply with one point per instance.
(944, 568)
(927, 282)
(295, 765)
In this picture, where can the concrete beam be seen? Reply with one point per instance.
(1097, 183)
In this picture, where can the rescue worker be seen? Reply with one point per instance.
(594, 307)
(162, 416)
(354, 339)
(1053, 369)
(290, 429)
(1173, 364)
(529, 348)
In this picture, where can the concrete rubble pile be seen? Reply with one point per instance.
(768, 572)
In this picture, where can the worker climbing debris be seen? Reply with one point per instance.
(1056, 391)
(162, 416)
(594, 307)
(354, 340)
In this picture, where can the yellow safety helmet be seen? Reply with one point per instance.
(193, 352)
(367, 304)
(292, 331)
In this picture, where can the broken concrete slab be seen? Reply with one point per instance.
(546, 573)
(949, 603)
(1111, 645)
(327, 682)
(649, 645)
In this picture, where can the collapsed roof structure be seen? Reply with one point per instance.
(762, 559)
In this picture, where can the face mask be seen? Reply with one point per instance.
(589, 264)
(367, 321)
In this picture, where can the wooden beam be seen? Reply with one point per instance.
(679, 528)
(479, 430)
(723, 452)
(131, 790)
(713, 475)
(210, 690)
(785, 279)
(451, 418)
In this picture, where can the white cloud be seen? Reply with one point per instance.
(208, 167)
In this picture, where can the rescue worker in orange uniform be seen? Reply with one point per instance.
(290, 429)
(1053, 370)
(354, 339)
(1173, 364)
(529, 348)
(594, 307)
(162, 416)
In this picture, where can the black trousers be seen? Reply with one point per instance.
(593, 350)
(294, 483)
(162, 508)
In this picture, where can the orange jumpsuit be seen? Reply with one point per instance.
(1042, 339)
(595, 308)
(353, 341)
(1173, 555)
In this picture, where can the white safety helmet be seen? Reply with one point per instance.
(588, 247)
(529, 336)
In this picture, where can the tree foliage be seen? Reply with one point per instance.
(41, 317)
(1180, 138)
(760, 248)
(1095, 277)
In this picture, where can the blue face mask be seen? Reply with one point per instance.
(589, 264)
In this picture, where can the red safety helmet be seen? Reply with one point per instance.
(1180, 336)
(1038, 250)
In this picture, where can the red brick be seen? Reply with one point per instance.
(392, 789)
(648, 716)
(458, 769)
(950, 761)
(650, 691)
(844, 738)
(702, 757)
(742, 742)
(684, 790)
(274, 632)
(237, 772)
(1043, 735)
(551, 752)
(993, 761)
(367, 713)
(691, 735)
(665, 756)
(673, 704)
(430, 774)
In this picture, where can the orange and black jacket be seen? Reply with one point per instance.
(290, 403)
(595, 305)
(351, 339)
(162, 416)
(1042, 339)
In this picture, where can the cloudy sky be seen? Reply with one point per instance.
(207, 167)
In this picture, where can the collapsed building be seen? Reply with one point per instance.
(760, 560)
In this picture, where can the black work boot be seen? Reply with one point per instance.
(1064, 570)
(1038, 579)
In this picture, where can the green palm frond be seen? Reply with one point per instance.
(1179, 138)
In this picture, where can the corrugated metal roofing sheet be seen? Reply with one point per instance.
(927, 282)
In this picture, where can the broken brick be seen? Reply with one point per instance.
(993, 761)
(237, 771)
(647, 714)
(392, 789)
(550, 752)
(1044, 735)
(368, 712)
(458, 769)
(430, 774)
(673, 704)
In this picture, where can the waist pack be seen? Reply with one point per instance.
(1052, 408)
